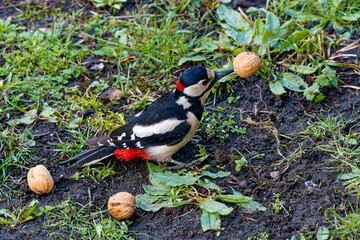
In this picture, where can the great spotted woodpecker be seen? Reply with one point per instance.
(162, 128)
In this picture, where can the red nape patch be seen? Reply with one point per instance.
(179, 86)
(130, 154)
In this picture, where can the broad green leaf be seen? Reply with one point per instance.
(231, 198)
(303, 17)
(213, 206)
(244, 37)
(74, 123)
(196, 58)
(210, 221)
(208, 184)
(48, 113)
(292, 82)
(219, 174)
(322, 233)
(148, 202)
(252, 205)
(232, 18)
(229, 31)
(174, 179)
(160, 189)
(276, 88)
(305, 70)
(208, 44)
(153, 168)
(29, 117)
(274, 23)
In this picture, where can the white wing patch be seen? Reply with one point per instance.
(111, 143)
(138, 144)
(121, 137)
(158, 128)
(183, 101)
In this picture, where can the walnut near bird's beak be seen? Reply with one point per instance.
(221, 74)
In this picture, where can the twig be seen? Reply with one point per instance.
(26, 3)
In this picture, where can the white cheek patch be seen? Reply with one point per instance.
(159, 128)
(183, 101)
(196, 89)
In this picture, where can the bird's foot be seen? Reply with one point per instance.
(180, 165)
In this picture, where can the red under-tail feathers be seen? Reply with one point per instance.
(130, 154)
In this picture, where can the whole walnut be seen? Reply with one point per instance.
(40, 180)
(122, 205)
(246, 64)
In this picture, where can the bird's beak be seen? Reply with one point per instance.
(221, 74)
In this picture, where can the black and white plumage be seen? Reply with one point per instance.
(162, 128)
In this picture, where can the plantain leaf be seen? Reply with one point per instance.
(301, 69)
(293, 82)
(213, 206)
(210, 221)
(276, 88)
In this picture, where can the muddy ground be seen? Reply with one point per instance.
(305, 203)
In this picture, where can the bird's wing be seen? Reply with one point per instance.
(162, 123)
(168, 132)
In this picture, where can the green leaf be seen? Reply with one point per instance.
(208, 184)
(273, 22)
(151, 203)
(252, 205)
(196, 58)
(232, 18)
(28, 118)
(245, 37)
(48, 113)
(208, 44)
(219, 174)
(174, 179)
(276, 88)
(322, 233)
(305, 70)
(231, 198)
(157, 189)
(213, 206)
(153, 168)
(210, 221)
(292, 82)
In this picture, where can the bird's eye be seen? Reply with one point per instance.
(205, 82)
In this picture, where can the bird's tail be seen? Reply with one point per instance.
(91, 156)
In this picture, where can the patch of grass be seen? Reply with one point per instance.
(346, 225)
(287, 28)
(220, 125)
(338, 138)
(29, 212)
(84, 221)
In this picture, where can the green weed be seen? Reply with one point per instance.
(173, 190)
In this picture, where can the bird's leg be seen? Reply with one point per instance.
(180, 165)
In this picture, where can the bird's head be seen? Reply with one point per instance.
(198, 81)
